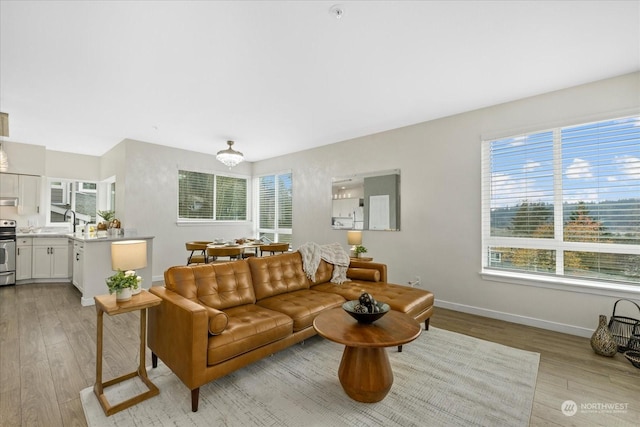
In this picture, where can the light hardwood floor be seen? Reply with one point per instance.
(48, 347)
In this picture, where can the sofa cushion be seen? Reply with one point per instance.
(369, 274)
(215, 285)
(324, 272)
(181, 280)
(302, 306)
(408, 300)
(277, 274)
(228, 286)
(250, 326)
(218, 320)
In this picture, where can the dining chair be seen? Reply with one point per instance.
(198, 253)
(273, 248)
(214, 253)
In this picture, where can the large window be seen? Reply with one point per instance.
(275, 214)
(78, 196)
(203, 196)
(564, 202)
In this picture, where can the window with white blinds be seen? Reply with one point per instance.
(204, 196)
(231, 198)
(564, 202)
(275, 213)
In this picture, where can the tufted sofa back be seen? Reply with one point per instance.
(277, 274)
(218, 286)
(323, 273)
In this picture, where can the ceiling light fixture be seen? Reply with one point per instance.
(4, 131)
(337, 11)
(230, 157)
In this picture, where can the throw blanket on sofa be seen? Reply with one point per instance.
(332, 253)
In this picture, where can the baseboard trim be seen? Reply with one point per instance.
(515, 318)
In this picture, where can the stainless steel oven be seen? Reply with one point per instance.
(7, 252)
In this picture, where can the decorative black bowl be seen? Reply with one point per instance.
(365, 317)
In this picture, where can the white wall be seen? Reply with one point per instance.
(148, 176)
(440, 237)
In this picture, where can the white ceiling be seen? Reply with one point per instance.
(284, 76)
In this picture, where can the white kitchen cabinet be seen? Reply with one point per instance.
(50, 258)
(8, 185)
(78, 265)
(25, 188)
(23, 258)
(28, 194)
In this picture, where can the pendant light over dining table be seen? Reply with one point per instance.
(230, 157)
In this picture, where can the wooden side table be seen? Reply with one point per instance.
(362, 259)
(108, 304)
(365, 372)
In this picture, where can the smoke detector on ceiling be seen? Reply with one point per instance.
(337, 11)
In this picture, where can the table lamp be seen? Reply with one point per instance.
(129, 255)
(354, 238)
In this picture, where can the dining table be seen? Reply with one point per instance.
(251, 246)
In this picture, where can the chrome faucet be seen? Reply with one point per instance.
(74, 218)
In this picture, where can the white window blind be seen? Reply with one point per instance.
(275, 213)
(204, 196)
(565, 202)
(195, 195)
(231, 198)
(522, 186)
(267, 202)
(285, 202)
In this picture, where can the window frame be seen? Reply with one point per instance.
(73, 188)
(204, 221)
(556, 280)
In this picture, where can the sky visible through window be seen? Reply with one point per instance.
(600, 162)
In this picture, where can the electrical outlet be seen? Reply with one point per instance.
(415, 282)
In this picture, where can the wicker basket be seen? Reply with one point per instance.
(622, 327)
(634, 341)
(633, 357)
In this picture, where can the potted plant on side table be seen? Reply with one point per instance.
(359, 250)
(124, 284)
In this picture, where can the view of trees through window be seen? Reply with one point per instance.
(202, 194)
(566, 201)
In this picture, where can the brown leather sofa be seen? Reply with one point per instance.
(216, 318)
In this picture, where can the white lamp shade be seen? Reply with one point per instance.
(128, 255)
(354, 237)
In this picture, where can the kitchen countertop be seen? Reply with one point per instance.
(81, 236)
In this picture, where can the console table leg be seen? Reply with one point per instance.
(97, 388)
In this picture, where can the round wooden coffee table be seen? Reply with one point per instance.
(365, 372)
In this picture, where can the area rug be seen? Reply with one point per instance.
(441, 379)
